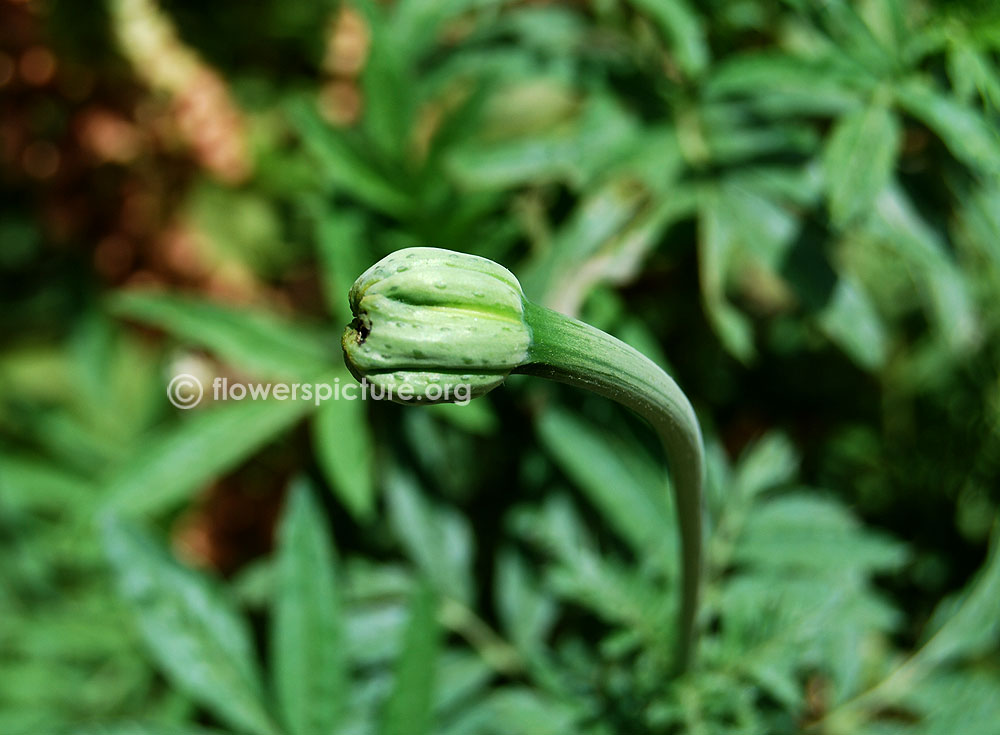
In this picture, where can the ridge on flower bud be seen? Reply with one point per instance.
(429, 321)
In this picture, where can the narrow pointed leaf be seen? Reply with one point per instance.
(345, 450)
(257, 342)
(309, 668)
(176, 461)
(408, 710)
(190, 628)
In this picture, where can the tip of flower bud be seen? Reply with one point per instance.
(432, 324)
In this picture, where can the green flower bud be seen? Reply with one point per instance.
(435, 326)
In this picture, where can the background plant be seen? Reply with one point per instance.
(795, 203)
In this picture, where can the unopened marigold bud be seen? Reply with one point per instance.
(434, 325)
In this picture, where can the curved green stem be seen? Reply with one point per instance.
(572, 352)
(429, 321)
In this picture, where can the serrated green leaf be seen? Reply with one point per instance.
(956, 702)
(526, 610)
(176, 461)
(767, 463)
(808, 532)
(389, 94)
(634, 503)
(969, 624)
(189, 627)
(255, 341)
(614, 591)
(460, 675)
(409, 709)
(345, 166)
(852, 321)
(436, 538)
(856, 39)
(308, 658)
(858, 160)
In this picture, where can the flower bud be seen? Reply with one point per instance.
(434, 326)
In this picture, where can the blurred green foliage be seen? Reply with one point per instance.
(793, 207)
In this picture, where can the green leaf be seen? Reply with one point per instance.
(859, 158)
(309, 668)
(949, 302)
(388, 87)
(437, 539)
(617, 592)
(460, 674)
(341, 250)
(255, 341)
(515, 710)
(176, 461)
(190, 628)
(969, 624)
(573, 152)
(417, 24)
(241, 225)
(345, 166)
(955, 702)
(38, 486)
(408, 710)
(606, 240)
(978, 227)
(855, 38)
(972, 73)
(964, 67)
(783, 84)
(527, 611)
(374, 632)
(767, 463)
(598, 218)
(809, 533)
(964, 130)
(345, 450)
(726, 132)
(476, 417)
(683, 29)
(630, 491)
(852, 321)
(718, 235)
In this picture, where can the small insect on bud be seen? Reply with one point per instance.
(436, 326)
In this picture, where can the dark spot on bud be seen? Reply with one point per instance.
(362, 326)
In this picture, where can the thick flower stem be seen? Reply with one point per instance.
(572, 352)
